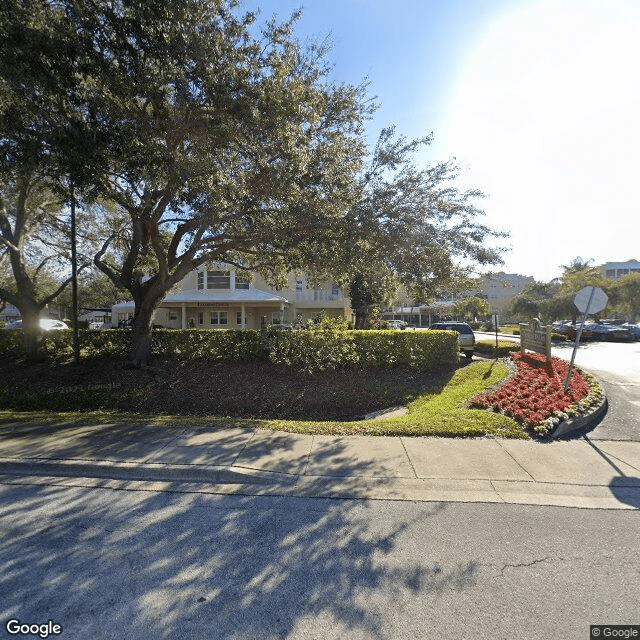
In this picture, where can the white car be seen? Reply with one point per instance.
(396, 324)
(45, 324)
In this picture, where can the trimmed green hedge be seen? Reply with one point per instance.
(315, 348)
(488, 347)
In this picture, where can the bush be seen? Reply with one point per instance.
(488, 347)
(314, 347)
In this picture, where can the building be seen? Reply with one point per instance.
(216, 297)
(10, 314)
(500, 289)
(616, 270)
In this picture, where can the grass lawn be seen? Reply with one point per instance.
(260, 395)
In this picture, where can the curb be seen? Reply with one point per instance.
(148, 472)
(585, 420)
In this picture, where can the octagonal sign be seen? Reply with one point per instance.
(593, 297)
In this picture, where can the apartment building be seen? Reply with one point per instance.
(219, 297)
(616, 270)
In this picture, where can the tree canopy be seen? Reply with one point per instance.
(413, 226)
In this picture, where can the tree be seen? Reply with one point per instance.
(471, 307)
(626, 294)
(34, 251)
(413, 226)
(240, 150)
(51, 145)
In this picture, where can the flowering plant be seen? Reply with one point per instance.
(535, 396)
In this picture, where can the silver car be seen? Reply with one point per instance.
(466, 338)
(45, 324)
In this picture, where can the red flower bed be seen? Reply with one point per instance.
(536, 391)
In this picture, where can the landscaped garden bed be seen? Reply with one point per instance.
(535, 395)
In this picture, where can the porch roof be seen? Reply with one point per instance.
(213, 296)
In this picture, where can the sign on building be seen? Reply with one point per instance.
(535, 337)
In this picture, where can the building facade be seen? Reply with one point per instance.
(218, 297)
(500, 289)
(616, 270)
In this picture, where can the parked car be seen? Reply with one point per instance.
(466, 337)
(634, 329)
(45, 324)
(396, 324)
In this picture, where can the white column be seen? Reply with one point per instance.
(184, 315)
(243, 321)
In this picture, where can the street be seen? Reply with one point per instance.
(147, 564)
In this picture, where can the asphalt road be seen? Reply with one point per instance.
(617, 367)
(124, 564)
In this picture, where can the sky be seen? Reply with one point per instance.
(538, 101)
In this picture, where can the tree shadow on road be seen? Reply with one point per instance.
(115, 563)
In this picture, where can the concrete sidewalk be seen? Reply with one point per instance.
(574, 473)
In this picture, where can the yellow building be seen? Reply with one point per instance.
(217, 297)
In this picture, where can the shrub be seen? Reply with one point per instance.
(488, 347)
(314, 347)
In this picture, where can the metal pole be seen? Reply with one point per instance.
(575, 346)
(74, 281)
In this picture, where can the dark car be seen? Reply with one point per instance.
(466, 338)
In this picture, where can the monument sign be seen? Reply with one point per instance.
(535, 337)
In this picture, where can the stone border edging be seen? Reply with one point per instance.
(580, 422)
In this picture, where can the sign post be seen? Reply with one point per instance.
(494, 319)
(588, 300)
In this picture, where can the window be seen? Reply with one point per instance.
(242, 280)
(173, 316)
(238, 317)
(200, 280)
(200, 317)
(217, 318)
(218, 280)
(298, 285)
(335, 291)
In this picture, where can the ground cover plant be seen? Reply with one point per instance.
(535, 396)
(257, 394)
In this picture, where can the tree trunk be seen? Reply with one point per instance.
(32, 335)
(361, 319)
(141, 339)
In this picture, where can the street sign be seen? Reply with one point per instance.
(587, 300)
(590, 300)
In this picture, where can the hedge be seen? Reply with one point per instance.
(488, 347)
(314, 348)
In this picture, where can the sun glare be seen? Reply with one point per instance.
(545, 115)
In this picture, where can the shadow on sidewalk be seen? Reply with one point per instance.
(625, 488)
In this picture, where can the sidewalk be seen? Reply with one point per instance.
(574, 473)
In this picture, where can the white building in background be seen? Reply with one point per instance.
(500, 289)
(216, 297)
(10, 314)
(616, 270)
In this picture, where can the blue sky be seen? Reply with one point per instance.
(538, 101)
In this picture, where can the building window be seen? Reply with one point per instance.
(200, 317)
(173, 316)
(242, 280)
(238, 317)
(299, 285)
(218, 280)
(335, 291)
(200, 280)
(218, 318)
